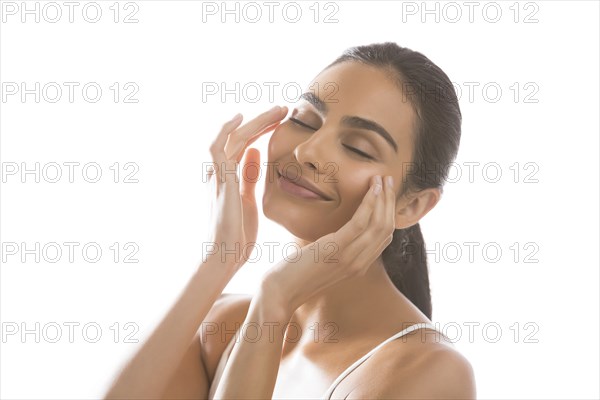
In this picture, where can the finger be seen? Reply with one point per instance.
(250, 173)
(239, 142)
(389, 223)
(244, 146)
(368, 240)
(259, 125)
(378, 235)
(390, 212)
(360, 220)
(229, 177)
(378, 218)
(265, 130)
(382, 223)
(217, 148)
(262, 121)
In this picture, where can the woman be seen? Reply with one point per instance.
(349, 174)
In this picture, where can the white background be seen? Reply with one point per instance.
(547, 311)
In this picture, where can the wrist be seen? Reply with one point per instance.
(218, 267)
(227, 254)
(273, 301)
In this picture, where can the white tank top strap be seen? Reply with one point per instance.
(361, 360)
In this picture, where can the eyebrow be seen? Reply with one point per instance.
(351, 121)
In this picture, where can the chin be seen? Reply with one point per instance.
(298, 220)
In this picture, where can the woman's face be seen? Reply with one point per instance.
(350, 107)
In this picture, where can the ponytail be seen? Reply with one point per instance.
(405, 261)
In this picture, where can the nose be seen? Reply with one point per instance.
(311, 153)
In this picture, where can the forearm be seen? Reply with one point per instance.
(252, 367)
(147, 374)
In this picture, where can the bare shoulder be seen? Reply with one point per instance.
(440, 374)
(225, 317)
(421, 370)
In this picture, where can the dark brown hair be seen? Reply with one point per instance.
(436, 141)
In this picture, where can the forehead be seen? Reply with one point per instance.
(352, 88)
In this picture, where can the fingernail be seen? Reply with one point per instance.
(390, 181)
(237, 116)
(275, 108)
(377, 188)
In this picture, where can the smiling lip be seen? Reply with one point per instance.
(300, 187)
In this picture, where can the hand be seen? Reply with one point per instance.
(234, 211)
(349, 252)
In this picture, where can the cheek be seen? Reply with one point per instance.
(353, 186)
(356, 180)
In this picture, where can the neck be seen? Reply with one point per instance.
(352, 308)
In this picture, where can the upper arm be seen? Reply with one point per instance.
(441, 374)
(194, 374)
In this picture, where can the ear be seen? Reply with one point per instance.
(411, 208)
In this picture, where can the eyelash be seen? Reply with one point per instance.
(360, 153)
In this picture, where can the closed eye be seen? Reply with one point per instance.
(298, 122)
(360, 153)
